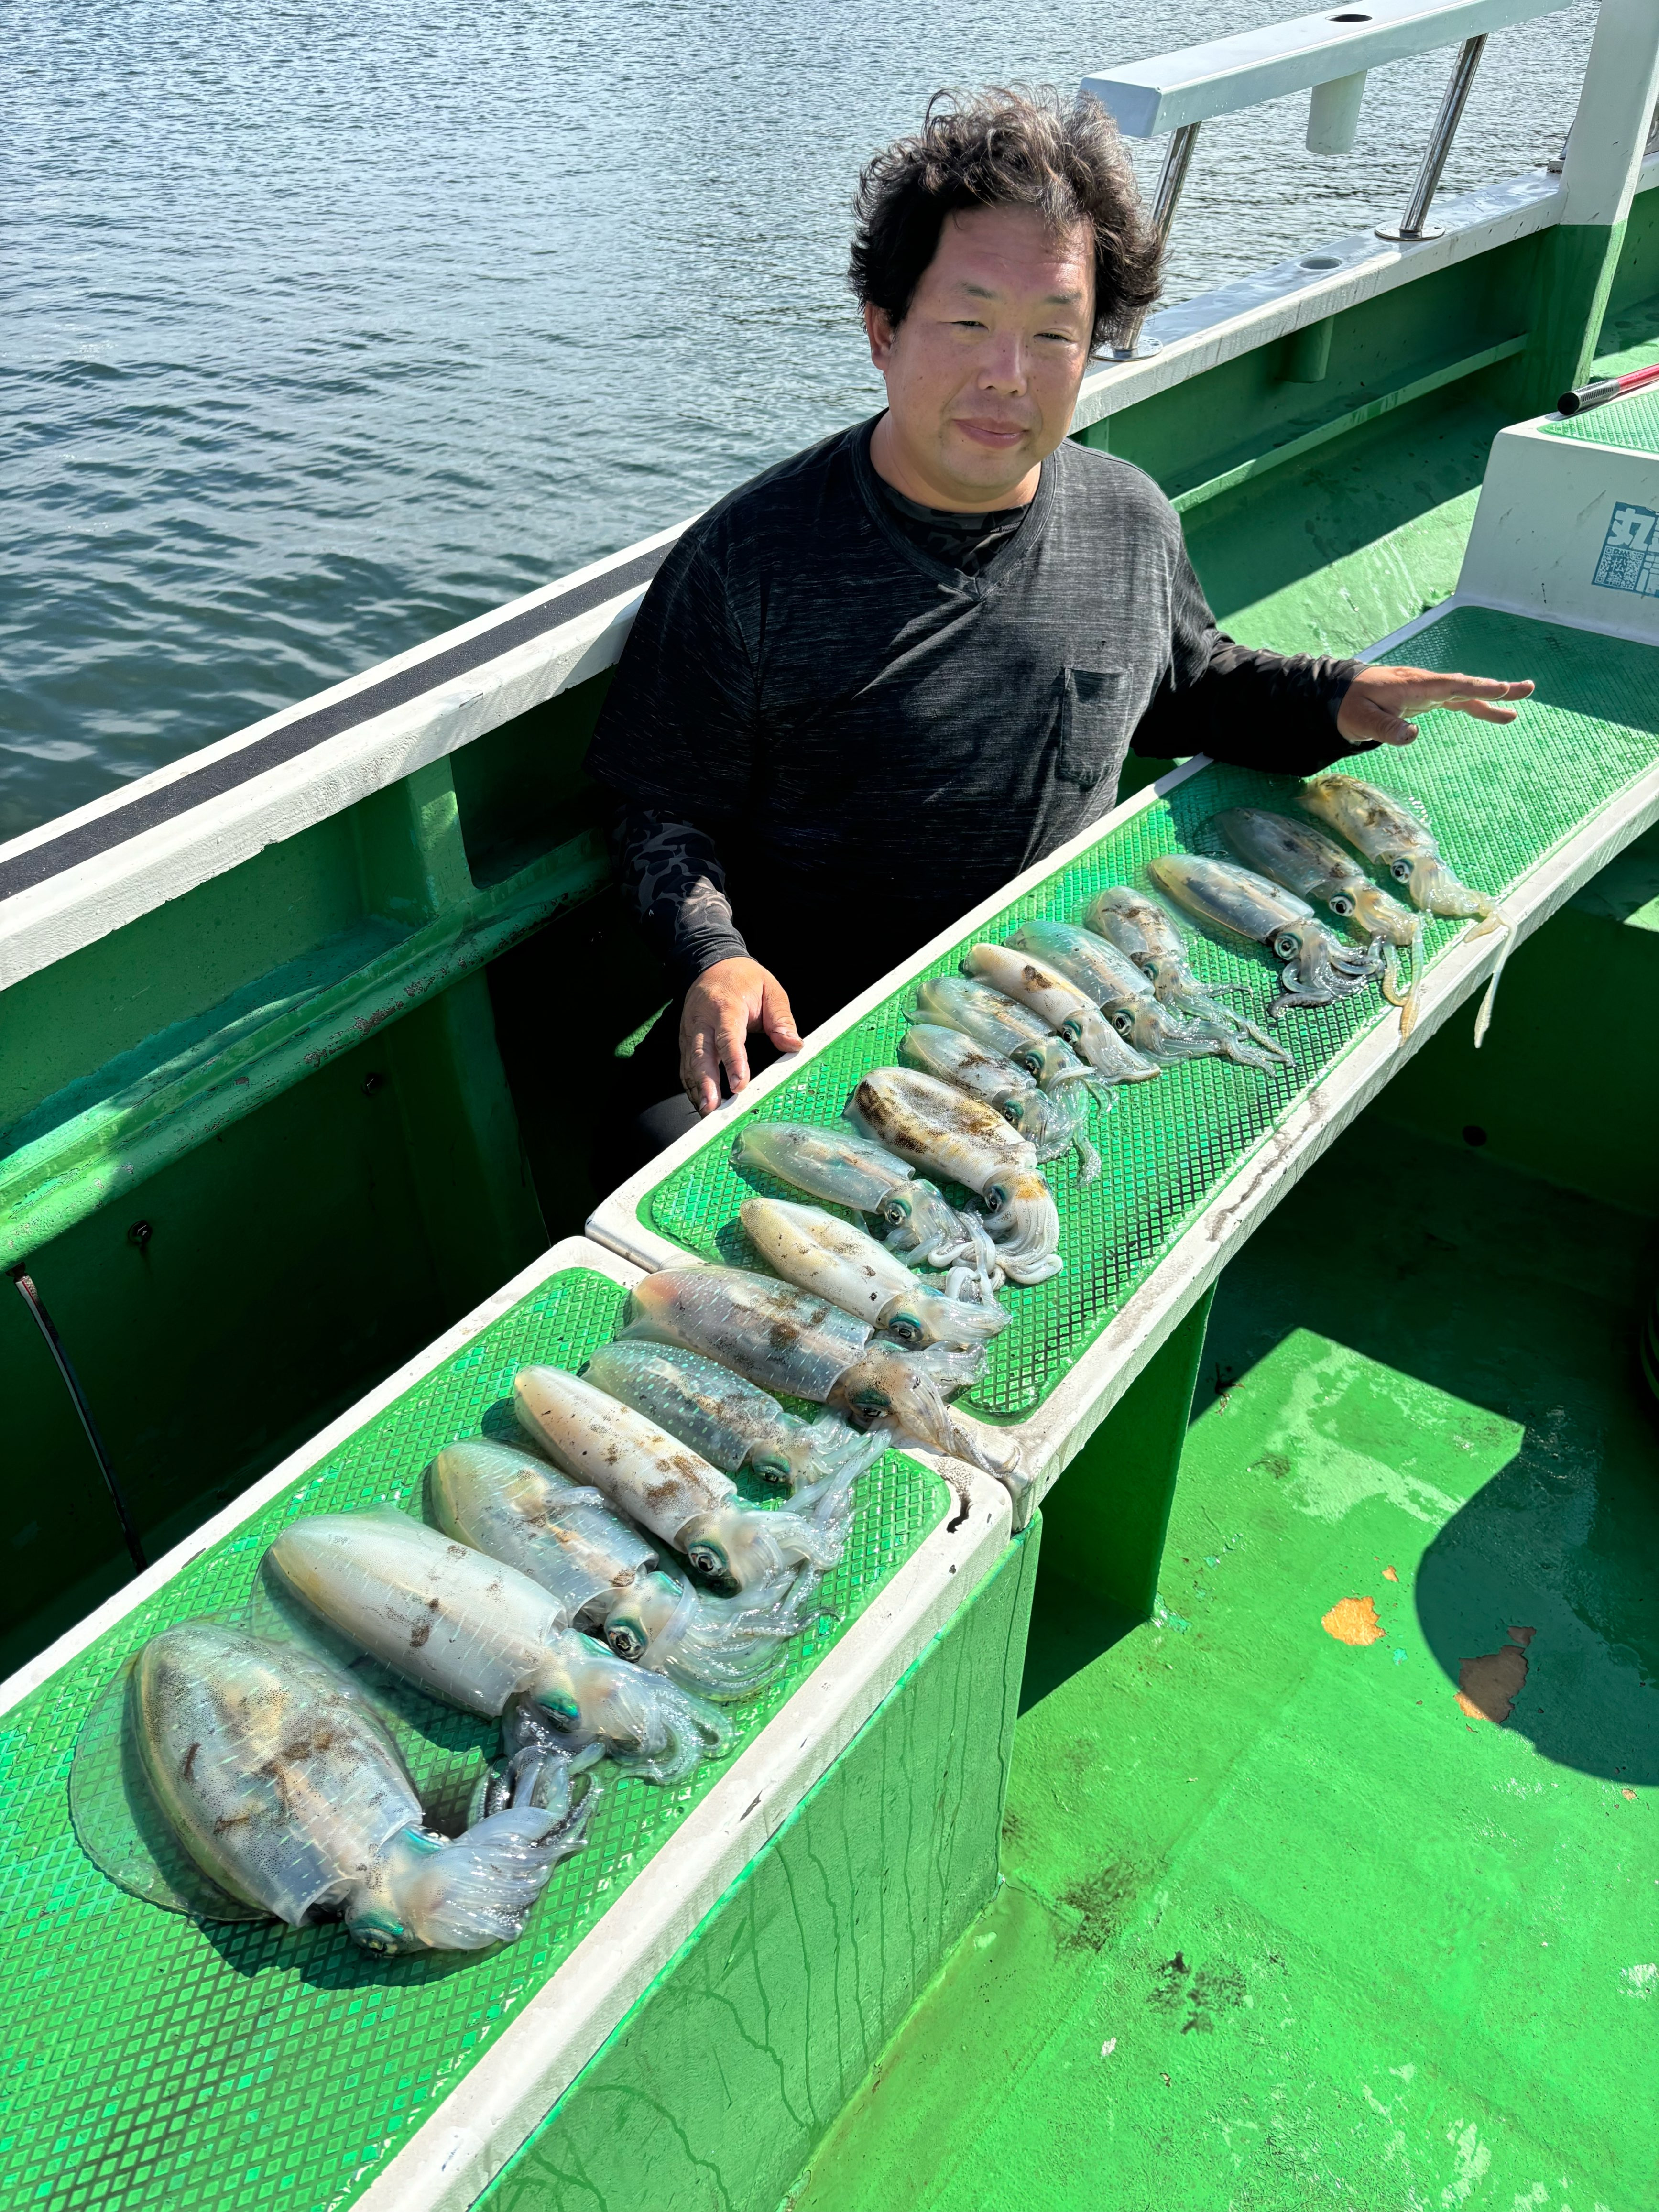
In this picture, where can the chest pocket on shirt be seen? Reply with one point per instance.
(1091, 723)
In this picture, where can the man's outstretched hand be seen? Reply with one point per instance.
(725, 1003)
(1380, 700)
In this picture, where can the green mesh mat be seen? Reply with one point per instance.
(158, 2064)
(1632, 423)
(1499, 798)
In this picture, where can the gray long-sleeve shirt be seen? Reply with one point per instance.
(832, 732)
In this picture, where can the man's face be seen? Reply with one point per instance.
(983, 374)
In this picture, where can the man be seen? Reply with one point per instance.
(884, 678)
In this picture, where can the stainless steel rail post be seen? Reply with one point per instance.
(1412, 228)
(1126, 345)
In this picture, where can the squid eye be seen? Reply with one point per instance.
(895, 1209)
(1285, 945)
(906, 1328)
(626, 1638)
(708, 1559)
(1123, 1020)
(1401, 871)
(560, 1708)
(1072, 1031)
(1148, 968)
(1030, 1060)
(1342, 904)
(1013, 1110)
(770, 1469)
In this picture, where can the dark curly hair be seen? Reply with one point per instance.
(1004, 148)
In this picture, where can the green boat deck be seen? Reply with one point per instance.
(1282, 1923)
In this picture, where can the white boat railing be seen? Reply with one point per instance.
(1329, 56)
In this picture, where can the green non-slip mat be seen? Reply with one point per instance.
(1632, 423)
(1499, 798)
(157, 2064)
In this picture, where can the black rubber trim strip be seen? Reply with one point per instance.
(103, 835)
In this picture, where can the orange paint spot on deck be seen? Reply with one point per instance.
(1488, 1687)
(1389, 1574)
(1353, 1620)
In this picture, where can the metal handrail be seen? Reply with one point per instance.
(1329, 56)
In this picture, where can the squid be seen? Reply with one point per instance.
(1144, 929)
(1318, 967)
(1117, 987)
(477, 1633)
(486, 1494)
(928, 1123)
(1053, 1124)
(519, 1509)
(1314, 866)
(1396, 836)
(284, 1787)
(817, 1251)
(1002, 1025)
(732, 1424)
(1067, 1010)
(839, 1168)
(670, 1489)
(785, 1341)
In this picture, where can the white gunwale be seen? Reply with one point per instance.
(469, 2133)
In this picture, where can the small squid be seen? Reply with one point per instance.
(1144, 928)
(1067, 1010)
(669, 1488)
(1002, 1025)
(934, 1126)
(475, 1632)
(1396, 836)
(819, 1251)
(1117, 987)
(839, 1168)
(1052, 1123)
(1314, 866)
(733, 1424)
(1318, 967)
(788, 1341)
(517, 1509)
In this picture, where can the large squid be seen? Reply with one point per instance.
(839, 1168)
(936, 1127)
(1318, 968)
(1394, 835)
(789, 1341)
(1143, 927)
(1314, 866)
(1052, 1124)
(660, 1482)
(477, 1633)
(1117, 987)
(820, 1252)
(564, 1536)
(1072, 1013)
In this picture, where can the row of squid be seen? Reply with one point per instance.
(602, 1587)
(1001, 1064)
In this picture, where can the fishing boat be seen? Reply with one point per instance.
(1250, 1806)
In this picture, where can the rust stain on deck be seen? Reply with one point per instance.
(1353, 1620)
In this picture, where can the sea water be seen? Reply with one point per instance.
(330, 326)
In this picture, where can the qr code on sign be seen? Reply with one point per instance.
(1629, 560)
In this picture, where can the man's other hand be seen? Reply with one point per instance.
(1379, 701)
(723, 1006)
